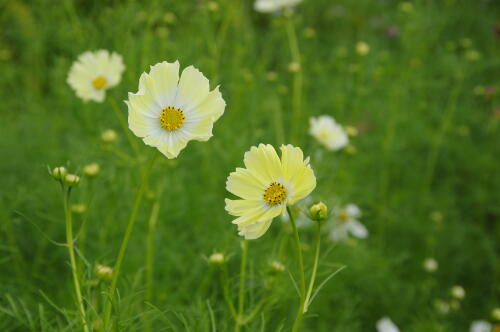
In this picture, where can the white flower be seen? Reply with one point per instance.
(168, 112)
(480, 326)
(95, 72)
(346, 222)
(328, 132)
(430, 264)
(270, 6)
(386, 325)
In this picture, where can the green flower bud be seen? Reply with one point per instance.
(318, 211)
(72, 180)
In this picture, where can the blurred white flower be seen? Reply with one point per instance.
(95, 72)
(167, 112)
(458, 292)
(430, 264)
(328, 132)
(346, 222)
(480, 326)
(270, 6)
(386, 325)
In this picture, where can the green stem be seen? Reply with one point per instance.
(315, 267)
(124, 125)
(225, 290)
(71, 251)
(153, 218)
(241, 297)
(297, 80)
(126, 238)
(300, 265)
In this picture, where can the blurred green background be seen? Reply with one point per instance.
(424, 167)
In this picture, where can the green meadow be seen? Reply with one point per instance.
(416, 85)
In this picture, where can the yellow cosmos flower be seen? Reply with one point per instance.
(95, 72)
(168, 112)
(267, 185)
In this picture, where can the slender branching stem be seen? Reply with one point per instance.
(71, 251)
(241, 297)
(315, 267)
(126, 237)
(302, 279)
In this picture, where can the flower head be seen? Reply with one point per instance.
(480, 326)
(318, 211)
(328, 132)
(386, 325)
(266, 186)
(346, 222)
(168, 112)
(271, 6)
(95, 72)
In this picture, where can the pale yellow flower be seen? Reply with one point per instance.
(328, 132)
(168, 112)
(94, 73)
(270, 6)
(266, 186)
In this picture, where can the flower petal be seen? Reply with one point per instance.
(357, 229)
(264, 163)
(298, 172)
(244, 184)
(193, 89)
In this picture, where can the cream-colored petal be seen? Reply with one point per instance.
(297, 172)
(193, 89)
(165, 78)
(213, 104)
(264, 163)
(173, 143)
(244, 184)
(140, 124)
(254, 231)
(239, 207)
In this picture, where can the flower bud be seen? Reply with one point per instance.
(72, 180)
(91, 170)
(318, 211)
(458, 292)
(109, 136)
(495, 314)
(59, 173)
(351, 131)
(277, 266)
(78, 208)
(103, 271)
(217, 258)
(362, 48)
(294, 67)
(430, 265)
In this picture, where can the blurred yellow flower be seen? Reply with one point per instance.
(328, 132)
(168, 112)
(267, 185)
(362, 48)
(95, 72)
(270, 6)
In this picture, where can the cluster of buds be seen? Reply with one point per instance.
(61, 174)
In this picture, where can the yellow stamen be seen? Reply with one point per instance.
(99, 82)
(275, 194)
(171, 118)
(343, 216)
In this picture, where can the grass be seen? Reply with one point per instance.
(423, 169)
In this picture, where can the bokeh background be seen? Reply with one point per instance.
(423, 167)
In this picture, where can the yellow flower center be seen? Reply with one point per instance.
(343, 216)
(99, 82)
(171, 118)
(275, 194)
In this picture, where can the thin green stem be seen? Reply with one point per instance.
(300, 265)
(71, 251)
(124, 126)
(315, 267)
(241, 297)
(225, 290)
(297, 81)
(126, 237)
